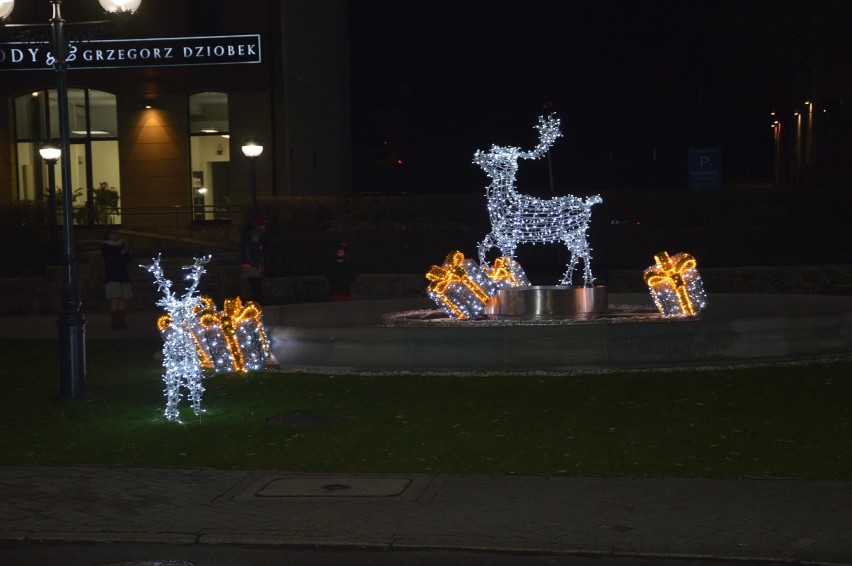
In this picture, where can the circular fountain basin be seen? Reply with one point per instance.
(542, 302)
(735, 329)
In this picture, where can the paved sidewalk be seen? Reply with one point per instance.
(731, 519)
(781, 520)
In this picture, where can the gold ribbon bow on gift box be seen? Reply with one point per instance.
(440, 280)
(670, 270)
(233, 314)
(452, 271)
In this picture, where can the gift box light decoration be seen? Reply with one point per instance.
(507, 273)
(520, 219)
(460, 286)
(234, 338)
(204, 304)
(229, 341)
(450, 294)
(180, 344)
(676, 285)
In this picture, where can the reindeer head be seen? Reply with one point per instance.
(500, 160)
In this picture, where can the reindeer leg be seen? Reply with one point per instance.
(195, 390)
(568, 276)
(587, 270)
(588, 280)
(483, 247)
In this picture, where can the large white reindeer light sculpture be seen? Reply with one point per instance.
(520, 219)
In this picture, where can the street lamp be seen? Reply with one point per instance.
(114, 6)
(71, 323)
(251, 150)
(6, 8)
(51, 154)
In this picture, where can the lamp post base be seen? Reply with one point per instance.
(72, 355)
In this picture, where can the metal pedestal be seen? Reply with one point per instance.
(548, 302)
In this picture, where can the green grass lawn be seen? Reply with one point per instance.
(788, 421)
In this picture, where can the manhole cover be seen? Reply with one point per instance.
(304, 421)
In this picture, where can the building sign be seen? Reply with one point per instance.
(118, 53)
(704, 168)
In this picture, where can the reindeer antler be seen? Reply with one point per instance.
(548, 131)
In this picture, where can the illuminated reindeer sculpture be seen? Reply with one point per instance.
(179, 327)
(521, 219)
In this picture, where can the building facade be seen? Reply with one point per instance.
(158, 146)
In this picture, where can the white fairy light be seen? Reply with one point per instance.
(675, 285)
(180, 329)
(460, 286)
(507, 273)
(234, 338)
(519, 219)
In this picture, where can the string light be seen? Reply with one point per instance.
(462, 288)
(676, 285)
(164, 326)
(234, 337)
(507, 273)
(232, 340)
(179, 330)
(446, 293)
(519, 219)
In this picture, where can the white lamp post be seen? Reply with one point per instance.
(252, 150)
(71, 323)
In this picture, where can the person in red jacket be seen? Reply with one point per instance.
(340, 276)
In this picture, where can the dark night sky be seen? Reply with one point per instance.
(440, 79)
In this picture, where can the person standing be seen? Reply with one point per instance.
(116, 252)
(252, 265)
(340, 276)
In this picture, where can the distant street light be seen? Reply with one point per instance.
(252, 150)
(51, 154)
(71, 323)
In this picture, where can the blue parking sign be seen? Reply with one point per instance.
(704, 168)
